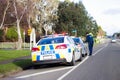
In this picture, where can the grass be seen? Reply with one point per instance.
(12, 54)
(13, 67)
(7, 69)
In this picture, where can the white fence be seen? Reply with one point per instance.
(13, 45)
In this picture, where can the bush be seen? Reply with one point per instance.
(12, 34)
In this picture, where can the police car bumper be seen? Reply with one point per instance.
(50, 61)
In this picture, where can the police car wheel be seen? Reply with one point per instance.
(86, 54)
(72, 63)
(80, 59)
(83, 55)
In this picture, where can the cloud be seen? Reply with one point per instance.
(115, 11)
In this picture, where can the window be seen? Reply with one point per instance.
(51, 40)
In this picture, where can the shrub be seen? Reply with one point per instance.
(12, 34)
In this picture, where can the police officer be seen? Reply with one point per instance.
(89, 39)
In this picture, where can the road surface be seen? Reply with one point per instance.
(104, 64)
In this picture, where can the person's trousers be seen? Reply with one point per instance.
(90, 48)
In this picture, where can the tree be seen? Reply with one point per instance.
(46, 14)
(18, 19)
(73, 16)
(4, 13)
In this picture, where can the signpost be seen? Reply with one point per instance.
(75, 31)
(24, 38)
(32, 38)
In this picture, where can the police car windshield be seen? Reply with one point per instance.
(51, 40)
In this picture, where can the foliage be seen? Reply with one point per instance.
(45, 14)
(12, 34)
(73, 16)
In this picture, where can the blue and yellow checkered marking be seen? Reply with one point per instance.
(57, 56)
(42, 48)
(38, 58)
(69, 50)
(51, 47)
(48, 49)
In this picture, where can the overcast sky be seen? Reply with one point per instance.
(105, 12)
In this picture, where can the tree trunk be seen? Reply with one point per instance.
(28, 20)
(19, 36)
(46, 32)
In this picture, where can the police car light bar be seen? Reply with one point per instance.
(62, 46)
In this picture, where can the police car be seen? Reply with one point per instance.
(55, 49)
(84, 49)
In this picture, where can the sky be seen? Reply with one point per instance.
(105, 12)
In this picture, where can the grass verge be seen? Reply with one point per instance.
(12, 54)
(14, 67)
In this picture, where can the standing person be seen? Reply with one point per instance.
(89, 39)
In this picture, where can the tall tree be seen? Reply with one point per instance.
(4, 13)
(46, 14)
(18, 19)
(73, 16)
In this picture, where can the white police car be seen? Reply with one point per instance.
(55, 50)
(84, 49)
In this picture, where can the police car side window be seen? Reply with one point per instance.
(72, 41)
(69, 39)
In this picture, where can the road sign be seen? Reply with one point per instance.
(29, 31)
(74, 30)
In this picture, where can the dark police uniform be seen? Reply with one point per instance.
(89, 39)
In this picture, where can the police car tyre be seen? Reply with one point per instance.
(72, 63)
(83, 55)
(86, 54)
(80, 59)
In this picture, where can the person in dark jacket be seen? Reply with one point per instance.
(89, 39)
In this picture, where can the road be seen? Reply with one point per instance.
(104, 64)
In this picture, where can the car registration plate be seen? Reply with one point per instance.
(47, 57)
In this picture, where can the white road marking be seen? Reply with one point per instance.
(64, 75)
(35, 74)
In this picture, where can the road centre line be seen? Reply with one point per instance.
(35, 74)
(60, 78)
(64, 75)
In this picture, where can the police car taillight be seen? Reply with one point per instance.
(35, 49)
(62, 46)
